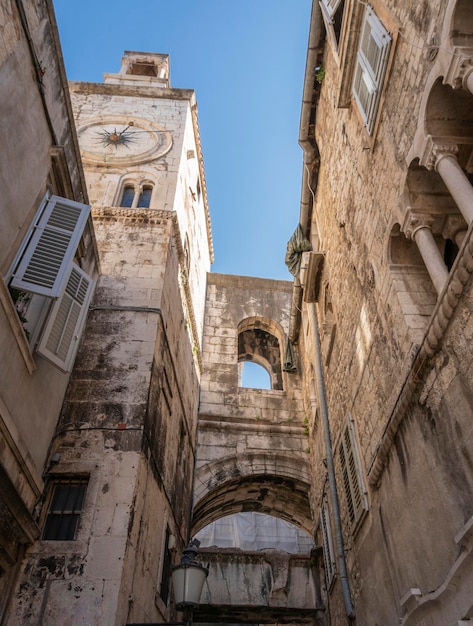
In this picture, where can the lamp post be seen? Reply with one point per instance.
(187, 581)
(188, 578)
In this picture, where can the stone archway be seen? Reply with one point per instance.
(275, 483)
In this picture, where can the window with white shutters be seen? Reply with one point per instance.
(370, 67)
(351, 473)
(51, 246)
(50, 292)
(329, 8)
(62, 331)
(332, 13)
(327, 544)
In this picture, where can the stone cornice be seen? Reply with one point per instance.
(133, 91)
(151, 216)
(200, 156)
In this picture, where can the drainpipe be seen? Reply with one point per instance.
(307, 143)
(309, 174)
(340, 550)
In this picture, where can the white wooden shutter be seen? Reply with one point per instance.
(329, 8)
(356, 499)
(371, 62)
(51, 248)
(327, 544)
(61, 335)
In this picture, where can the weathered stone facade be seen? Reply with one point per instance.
(392, 215)
(364, 439)
(252, 453)
(39, 159)
(129, 419)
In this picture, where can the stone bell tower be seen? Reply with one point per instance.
(127, 430)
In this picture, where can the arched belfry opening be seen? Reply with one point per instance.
(259, 342)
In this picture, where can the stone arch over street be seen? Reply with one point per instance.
(273, 483)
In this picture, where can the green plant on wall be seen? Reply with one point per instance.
(320, 73)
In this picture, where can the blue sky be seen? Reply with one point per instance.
(246, 62)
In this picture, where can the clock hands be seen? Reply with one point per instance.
(117, 138)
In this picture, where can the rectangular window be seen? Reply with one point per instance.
(332, 13)
(65, 509)
(370, 68)
(50, 292)
(166, 570)
(50, 247)
(329, 8)
(327, 544)
(59, 340)
(352, 480)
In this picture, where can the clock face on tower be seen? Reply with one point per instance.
(116, 140)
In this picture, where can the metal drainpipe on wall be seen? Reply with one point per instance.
(342, 567)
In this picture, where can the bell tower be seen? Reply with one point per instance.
(142, 68)
(128, 424)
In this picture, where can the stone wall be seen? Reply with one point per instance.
(252, 452)
(259, 586)
(399, 356)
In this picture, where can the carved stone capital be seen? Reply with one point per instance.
(414, 221)
(436, 149)
(460, 67)
(453, 225)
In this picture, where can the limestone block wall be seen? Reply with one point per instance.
(253, 444)
(129, 425)
(382, 304)
(231, 300)
(263, 585)
(39, 154)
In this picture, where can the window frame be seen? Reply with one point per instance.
(66, 320)
(135, 186)
(47, 236)
(74, 514)
(370, 69)
(330, 564)
(144, 201)
(129, 191)
(56, 219)
(166, 567)
(329, 8)
(352, 477)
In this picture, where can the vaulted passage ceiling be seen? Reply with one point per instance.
(286, 498)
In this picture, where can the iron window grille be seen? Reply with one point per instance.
(65, 509)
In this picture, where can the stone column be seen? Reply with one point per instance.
(445, 162)
(418, 227)
(136, 196)
(468, 80)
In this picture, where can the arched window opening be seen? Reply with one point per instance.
(254, 376)
(144, 199)
(260, 347)
(128, 196)
(255, 531)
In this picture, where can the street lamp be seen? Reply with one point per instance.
(188, 578)
(187, 581)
